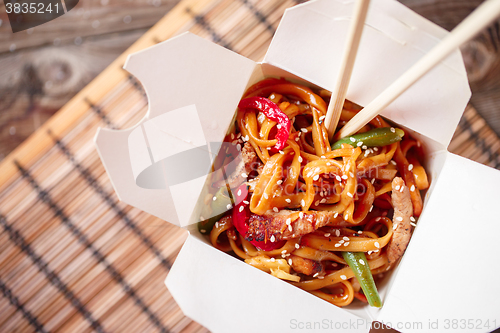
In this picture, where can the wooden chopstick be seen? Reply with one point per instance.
(466, 30)
(348, 59)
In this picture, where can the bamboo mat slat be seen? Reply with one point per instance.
(73, 258)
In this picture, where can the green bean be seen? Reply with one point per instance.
(377, 137)
(359, 265)
(216, 210)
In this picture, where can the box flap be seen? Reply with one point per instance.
(452, 256)
(247, 299)
(394, 38)
(161, 164)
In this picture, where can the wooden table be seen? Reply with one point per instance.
(75, 259)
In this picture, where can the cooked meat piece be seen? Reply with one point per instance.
(403, 210)
(262, 227)
(306, 266)
(249, 162)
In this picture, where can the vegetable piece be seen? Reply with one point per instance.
(218, 207)
(359, 265)
(240, 221)
(377, 137)
(274, 113)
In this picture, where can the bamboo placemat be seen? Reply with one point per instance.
(75, 259)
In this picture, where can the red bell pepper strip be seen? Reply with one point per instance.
(273, 112)
(240, 222)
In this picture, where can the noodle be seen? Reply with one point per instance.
(307, 202)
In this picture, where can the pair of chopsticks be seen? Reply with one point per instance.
(466, 30)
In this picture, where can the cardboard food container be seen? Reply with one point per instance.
(446, 281)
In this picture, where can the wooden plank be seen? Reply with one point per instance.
(38, 142)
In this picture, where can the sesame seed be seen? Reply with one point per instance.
(412, 219)
(365, 147)
(272, 259)
(371, 208)
(378, 219)
(229, 206)
(343, 277)
(393, 130)
(214, 198)
(337, 232)
(359, 144)
(297, 139)
(344, 177)
(244, 175)
(361, 261)
(351, 174)
(300, 159)
(345, 238)
(346, 216)
(216, 224)
(265, 196)
(247, 137)
(297, 246)
(352, 139)
(316, 177)
(397, 187)
(316, 274)
(341, 241)
(239, 192)
(375, 148)
(413, 224)
(399, 218)
(316, 203)
(337, 245)
(323, 156)
(288, 221)
(241, 208)
(360, 232)
(373, 180)
(377, 245)
(246, 202)
(288, 200)
(322, 117)
(410, 167)
(301, 215)
(328, 163)
(349, 194)
(282, 152)
(346, 243)
(338, 178)
(276, 209)
(393, 162)
(336, 214)
(394, 226)
(279, 182)
(238, 147)
(412, 188)
(309, 174)
(370, 252)
(290, 228)
(283, 252)
(232, 136)
(322, 200)
(290, 262)
(300, 133)
(327, 234)
(272, 239)
(304, 130)
(402, 189)
(302, 203)
(321, 277)
(203, 230)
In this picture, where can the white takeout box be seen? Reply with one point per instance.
(447, 278)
